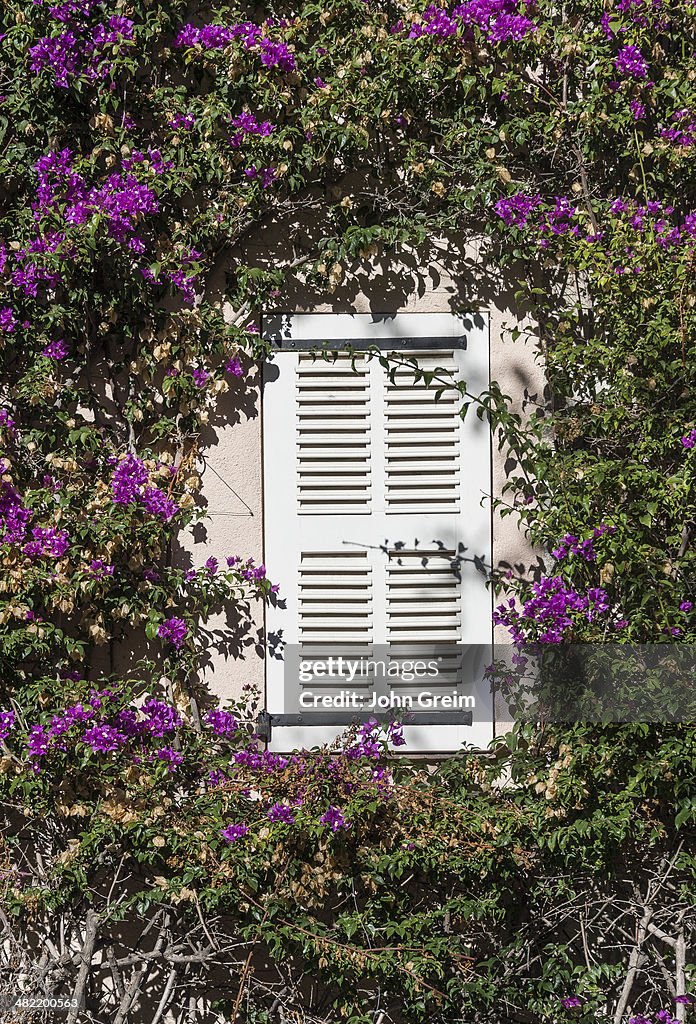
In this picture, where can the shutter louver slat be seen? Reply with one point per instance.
(333, 436)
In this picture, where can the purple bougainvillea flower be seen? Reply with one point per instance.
(47, 542)
(682, 132)
(7, 723)
(234, 367)
(276, 55)
(265, 175)
(99, 568)
(13, 515)
(103, 738)
(173, 757)
(57, 350)
(516, 210)
(550, 611)
(173, 631)
(37, 743)
(246, 125)
(638, 110)
(186, 121)
(223, 723)
(127, 480)
(333, 817)
(8, 321)
(631, 63)
(158, 503)
(282, 813)
(159, 717)
(234, 832)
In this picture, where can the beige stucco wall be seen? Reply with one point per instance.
(441, 280)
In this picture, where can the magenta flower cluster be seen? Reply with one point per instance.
(631, 63)
(7, 422)
(498, 20)
(572, 545)
(245, 125)
(173, 631)
(41, 739)
(13, 515)
(368, 740)
(551, 612)
(682, 131)
(62, 194)
(281, 813)
(264, 175)
(516, 210)
(546, 223)
(7, 723)
(99, 569)
(148, 731)
(234, 832)
(104, 739)
(83, 52)
(153, 720)
(222, 723)
(159, 718)
(56, 350)
(252, 573)
(219, 37)
(662, 1016)
(46, 542)
(182, 121)
(8, 321)
(121, 200)
(333, 817)
(234, 366)
(129, 485)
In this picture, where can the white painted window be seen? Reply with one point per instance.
(377, 517)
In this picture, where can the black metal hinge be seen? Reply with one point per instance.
(267, 720)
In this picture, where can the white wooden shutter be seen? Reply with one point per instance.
(376, 515)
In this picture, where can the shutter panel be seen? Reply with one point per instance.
(373, 491)
(424, 601)
(333, 435)
(422, 438)
(334, 599)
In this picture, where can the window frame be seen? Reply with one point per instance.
(401, 332)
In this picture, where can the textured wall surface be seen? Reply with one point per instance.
(442, 280)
